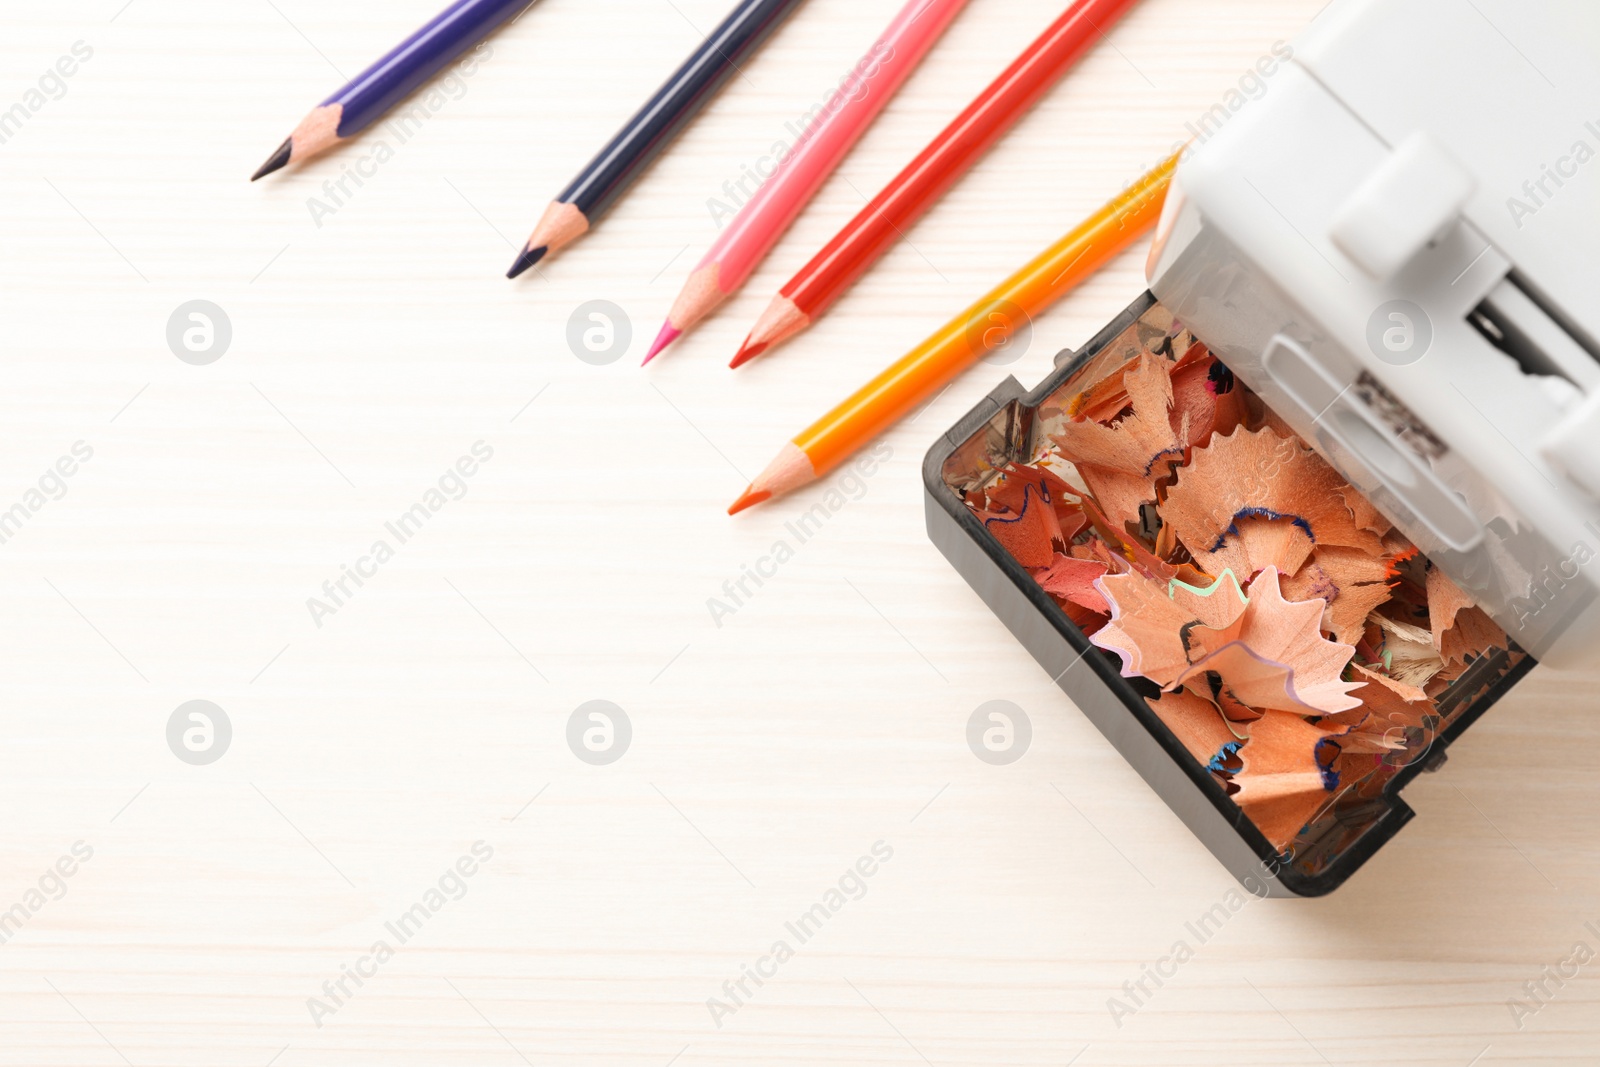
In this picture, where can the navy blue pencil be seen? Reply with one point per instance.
(378, 88)
(651, 129)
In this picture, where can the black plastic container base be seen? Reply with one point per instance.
(1002, 424)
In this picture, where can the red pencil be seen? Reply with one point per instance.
(821, 146)
(957, 147)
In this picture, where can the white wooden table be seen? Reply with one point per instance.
(375, 344)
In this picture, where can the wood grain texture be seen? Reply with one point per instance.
(372, 346)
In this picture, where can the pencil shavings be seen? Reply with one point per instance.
(1273, 655)
(1104, 400)
(1008, 493)
(1352, 583)
(1031, 512)
(1198, 725)
(1128, 547)
(1281, 784)
(1473, 635)
(1140, 442)
(1030, 534)
(1445, 601)
(1120, 495)
(1302, 646)
(1151, 621)
(1459, 628)
(1205, 398)
(1403, 714)
(1260, 475)
(1396, 725)
(1256, 544)
(1407, 651)
(1366, 516)
(1074, 580)
(1398, 548)
(1210, 686)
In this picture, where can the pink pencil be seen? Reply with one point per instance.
(842, 117)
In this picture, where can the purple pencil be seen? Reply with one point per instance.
(376, 89)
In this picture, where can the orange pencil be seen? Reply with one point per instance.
(962, 341)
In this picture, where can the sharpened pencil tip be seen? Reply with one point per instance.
(527, 258)
(669, 333)
(277, 161)
(749, 498)
(748, 351)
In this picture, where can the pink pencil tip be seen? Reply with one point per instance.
(669, 333)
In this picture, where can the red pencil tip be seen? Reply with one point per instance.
(749, 351)
(749, 498)
(669, 333)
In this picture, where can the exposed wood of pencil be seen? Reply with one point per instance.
(316, 133)
(657, 123)
(700, 296)
(789, 470)
(925, 369)
(780, 321)
(560, 225)
(367, 97)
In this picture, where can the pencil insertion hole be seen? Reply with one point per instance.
(1542, 345)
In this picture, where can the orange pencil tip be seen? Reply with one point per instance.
(669, 333)
(748, 351)
(749, 498)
